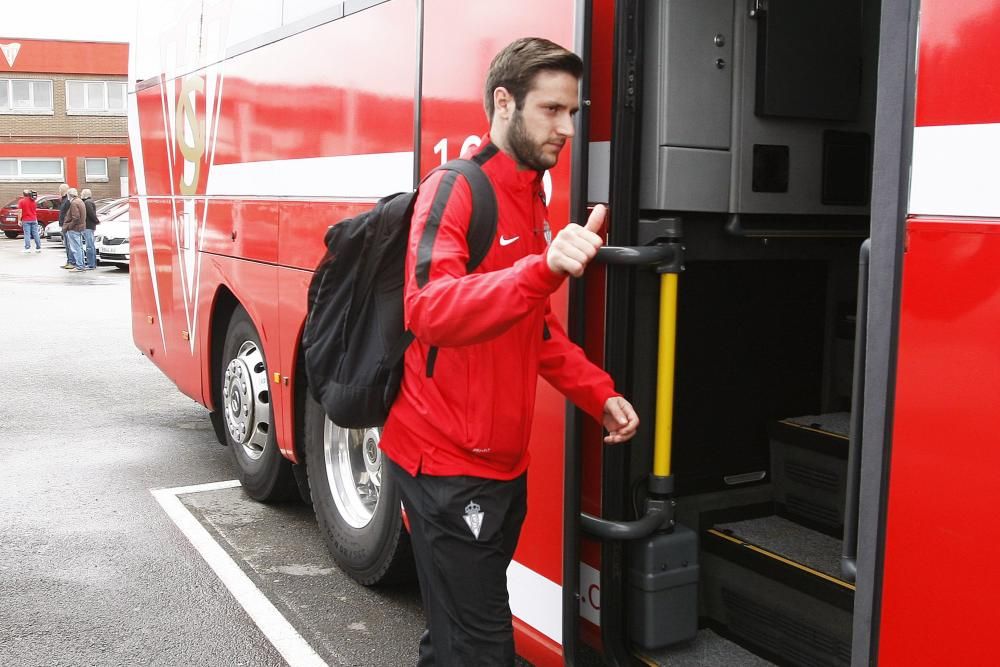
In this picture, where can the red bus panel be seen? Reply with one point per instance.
(940, 547)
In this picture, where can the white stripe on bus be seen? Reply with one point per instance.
(956, 170)
(139, 167)
(367, 176)
(535, 600)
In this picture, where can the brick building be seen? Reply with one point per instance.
(62, 116)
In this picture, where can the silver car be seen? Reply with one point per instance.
(111, 240)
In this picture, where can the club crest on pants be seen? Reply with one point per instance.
(474, 517)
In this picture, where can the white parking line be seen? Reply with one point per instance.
(289, 643)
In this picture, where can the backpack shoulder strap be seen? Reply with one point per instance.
(482, 229)
(483, 222)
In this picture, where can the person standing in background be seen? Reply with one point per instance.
(63, 209)
(73, 226)
(28, 218)
(90, 250)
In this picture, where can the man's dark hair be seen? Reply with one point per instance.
(515, 67)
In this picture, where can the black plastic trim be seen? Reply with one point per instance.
(623, 199)
(572, 463)
(755, 225)
(655, 518)
(664, 257)
(849, 556)
(893, 150)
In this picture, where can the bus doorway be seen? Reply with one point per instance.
(756, 142)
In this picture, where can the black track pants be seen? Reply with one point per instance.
(463, 578)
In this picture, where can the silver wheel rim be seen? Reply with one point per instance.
(247, 400)
(353, 470)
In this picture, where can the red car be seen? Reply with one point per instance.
(48, 210)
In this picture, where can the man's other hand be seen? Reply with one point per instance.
(574, 246)
(620, 420)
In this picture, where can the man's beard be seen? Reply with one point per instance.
(525, 150)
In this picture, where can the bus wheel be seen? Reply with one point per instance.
(357, 507)
(245, 401)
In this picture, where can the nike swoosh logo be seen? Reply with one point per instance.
(506, 241)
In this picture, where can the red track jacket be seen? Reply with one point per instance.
(494, 333)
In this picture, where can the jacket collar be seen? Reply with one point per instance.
(503, 167)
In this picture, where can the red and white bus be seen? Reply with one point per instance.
(813, 481)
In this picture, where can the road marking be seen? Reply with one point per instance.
(289, 643)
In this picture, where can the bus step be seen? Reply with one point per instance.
(707, 649)
(769, 602)
(809, 469)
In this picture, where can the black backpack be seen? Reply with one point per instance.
(354, 337)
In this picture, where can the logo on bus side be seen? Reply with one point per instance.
(192, 55)
(190, 133)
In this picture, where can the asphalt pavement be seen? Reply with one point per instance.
(93, 568)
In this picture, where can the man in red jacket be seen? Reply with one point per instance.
(457, 434)
(28, 218)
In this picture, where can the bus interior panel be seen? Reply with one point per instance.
(757, 133)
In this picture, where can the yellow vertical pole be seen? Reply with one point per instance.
(665, 375)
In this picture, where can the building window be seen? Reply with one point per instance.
(95, 98)
(96, 169)
(25, 96)
(13, 169)
(123, 176)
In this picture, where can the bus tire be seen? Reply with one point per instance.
(357, 508)
(245, 403)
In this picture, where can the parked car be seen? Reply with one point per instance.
(112, 208)
(48, 210)
(52, 231)
(105, 210)
(106, 200)
(111, 240)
